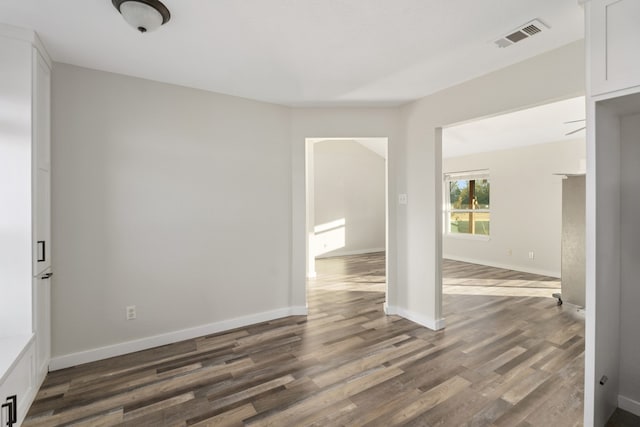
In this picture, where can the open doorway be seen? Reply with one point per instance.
(347, 210)
(503, 200)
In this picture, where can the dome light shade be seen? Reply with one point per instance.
(143, 15)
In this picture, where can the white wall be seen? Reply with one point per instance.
(555, 75)
(133, 158)
(15, 188)
(629, 266)
(526, 206)
(349, 184)
(171, 199)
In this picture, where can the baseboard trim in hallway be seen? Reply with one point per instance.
(119, 349)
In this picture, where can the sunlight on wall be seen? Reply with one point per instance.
(329, 236)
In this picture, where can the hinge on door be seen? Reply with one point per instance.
(12, 410)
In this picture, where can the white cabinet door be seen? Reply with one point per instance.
(41, 144)
(19, 383)
(42, 324)
(613, 37)
(41, 165)
(42, 219)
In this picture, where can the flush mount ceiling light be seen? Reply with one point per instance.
(143, 15)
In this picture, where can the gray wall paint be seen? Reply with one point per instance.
(630, 255)
(526, 206)
(605, 319)
(349, 184)
(171, 199)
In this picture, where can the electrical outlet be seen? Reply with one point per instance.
(402, 199)
(131, 312)
(509, 252)
(532, 255)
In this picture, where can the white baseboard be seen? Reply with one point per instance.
(86, 356)
(298, 311)
(346, 253)
(531, 270)
(629, 405)
(433, 324)
(387, 309)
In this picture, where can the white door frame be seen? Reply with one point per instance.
(310, 205)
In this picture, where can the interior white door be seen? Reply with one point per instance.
(41, 164)
(41, 144)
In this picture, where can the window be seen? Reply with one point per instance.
(467, 207)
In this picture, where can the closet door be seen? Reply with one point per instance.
(41, 133)
(41, 295)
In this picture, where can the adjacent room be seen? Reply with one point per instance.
(510, 214)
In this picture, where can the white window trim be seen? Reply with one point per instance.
(463, 175)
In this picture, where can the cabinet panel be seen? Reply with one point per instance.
(42, 324)
(614, 37)
(21, 383)
(41, 134)
(42, 221)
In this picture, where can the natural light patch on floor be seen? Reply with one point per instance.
(500, 287)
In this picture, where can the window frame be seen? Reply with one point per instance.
(474, 175)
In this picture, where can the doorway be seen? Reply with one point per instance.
(346, 199)
(502, 198)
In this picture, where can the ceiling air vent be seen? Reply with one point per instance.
(524, 32)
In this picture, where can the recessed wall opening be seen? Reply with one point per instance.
(509, 184)
(346, 212)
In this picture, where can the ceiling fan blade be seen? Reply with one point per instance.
(575, 131)
(574, 121)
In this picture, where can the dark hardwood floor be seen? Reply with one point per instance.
(622, 418)
(501, 361)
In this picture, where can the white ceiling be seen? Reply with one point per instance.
(538, 125)
(302, 52)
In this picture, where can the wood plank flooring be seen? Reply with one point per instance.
(622, 418)
(473, 279)
(501, 361)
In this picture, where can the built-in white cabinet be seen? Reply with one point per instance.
(41, 160)
(612, 353)
(41, 197)
(25, 225)
(19, 387)
(613, 46)
(42, 323)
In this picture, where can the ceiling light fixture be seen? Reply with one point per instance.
(143, 15)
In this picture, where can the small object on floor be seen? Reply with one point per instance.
(559, 297)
